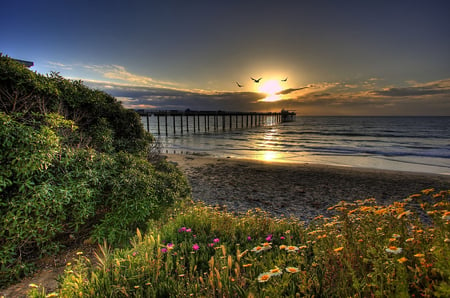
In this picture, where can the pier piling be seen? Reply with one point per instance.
(219, 120)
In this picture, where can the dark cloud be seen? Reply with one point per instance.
(166, 98)
(431, 89)
(323, 99)
(290, 90)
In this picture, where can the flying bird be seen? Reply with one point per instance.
(239, 85)
(284, 80)
(256, 80)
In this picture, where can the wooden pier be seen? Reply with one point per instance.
(173, 121)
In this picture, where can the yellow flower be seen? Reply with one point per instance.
(338, 249)
(292, 248)
(276, 271)
(402, 260)
(419, 255)
(292, 269)
(33, 285)
(403, 214)
(258, 249)
(267, 244)
(394, 249)
(264, 277)
(427, 191)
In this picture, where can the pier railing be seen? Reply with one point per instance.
(173, 121)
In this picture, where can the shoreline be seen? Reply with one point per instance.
(301, 190)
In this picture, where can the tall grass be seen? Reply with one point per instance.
(366, 249)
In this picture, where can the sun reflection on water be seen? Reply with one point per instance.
(269, 155)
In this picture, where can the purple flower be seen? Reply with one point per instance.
(195, 246)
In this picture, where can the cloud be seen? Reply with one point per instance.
(120, 74)
(109, 73)
(169, 98)
(60, 65)
(433, 88)
(290, 90)
(320, 98)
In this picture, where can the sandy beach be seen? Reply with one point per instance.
(301, 190)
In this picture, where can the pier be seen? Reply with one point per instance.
(180, 122)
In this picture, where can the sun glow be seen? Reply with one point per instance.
(271, 88)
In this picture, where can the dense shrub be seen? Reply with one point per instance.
(104, 124)
(49, 192)
(74, 164)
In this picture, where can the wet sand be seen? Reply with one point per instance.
(302, 190)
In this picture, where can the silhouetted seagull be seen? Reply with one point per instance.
(256, 80)
(284, 80)
(239, 85)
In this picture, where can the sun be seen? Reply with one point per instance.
(271, 88)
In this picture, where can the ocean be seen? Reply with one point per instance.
(413, 144)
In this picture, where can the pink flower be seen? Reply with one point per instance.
(282, 237)
(182, 229)
(170, 245)
(188, 230)
(249, 238)
(195, 246)
(216, 240)
(163, 250)
(211, 244)
(269, 237)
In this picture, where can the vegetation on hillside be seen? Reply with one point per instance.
(365, 250)
(74, 164)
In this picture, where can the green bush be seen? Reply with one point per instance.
(134, 192)
(32, 203)
(104, 124)
(49, 191)
(74, 162)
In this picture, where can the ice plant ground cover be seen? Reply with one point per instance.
(399, 250)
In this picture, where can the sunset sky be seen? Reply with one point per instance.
(339, 57)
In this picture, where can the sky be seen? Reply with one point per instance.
(314, 57)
